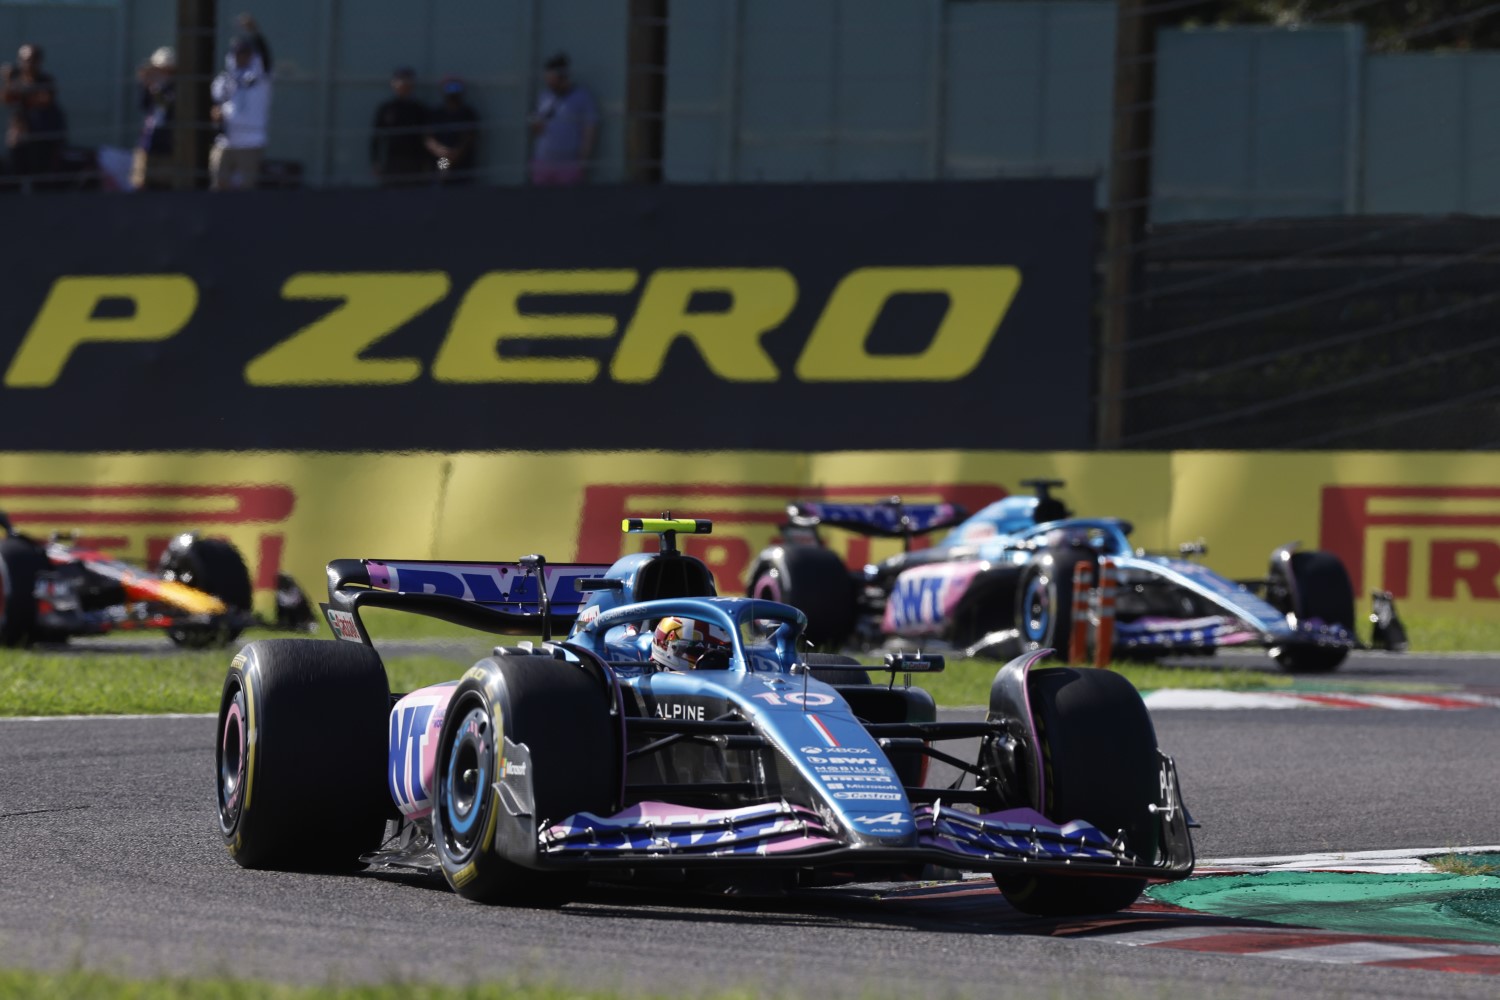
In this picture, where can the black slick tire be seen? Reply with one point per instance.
(815, 581)
(20, 562)
(1323, 593)
(1100, 764)
(301, 754)
(561, 712)
(215, 567)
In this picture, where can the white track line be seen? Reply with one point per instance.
(1399, 860)
(1170, 699)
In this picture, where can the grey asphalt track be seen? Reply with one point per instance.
(109, 857)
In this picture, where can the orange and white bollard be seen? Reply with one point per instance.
(1083, 582)
(1104, 634)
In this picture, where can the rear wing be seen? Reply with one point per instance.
(886, 518)
(527, 597)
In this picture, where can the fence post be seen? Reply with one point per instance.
(1104, 637)
(1083, 582)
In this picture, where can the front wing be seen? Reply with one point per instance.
(661, 836)
(1246, 618)
(783, 834)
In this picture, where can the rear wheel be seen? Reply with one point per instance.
(1324, 595)
(1100, 765)
(215, 567)
(20, 562)
(815, 581)
(301, 754)
(561, 712)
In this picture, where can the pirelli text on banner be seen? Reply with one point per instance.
(841, 316)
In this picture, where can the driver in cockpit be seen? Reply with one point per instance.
(682, 644)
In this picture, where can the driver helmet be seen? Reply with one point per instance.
(679, 643)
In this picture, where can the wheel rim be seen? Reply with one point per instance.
(1038, 606)
(233, 744)
(767, 588)
(465, 778)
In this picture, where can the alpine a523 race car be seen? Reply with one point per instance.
(51, 591)
(676, 735)
(1003, 580)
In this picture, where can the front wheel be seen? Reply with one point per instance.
(1308, 659)
(1324, 596)
(1101, 765)
(561, 713)
(301, 754)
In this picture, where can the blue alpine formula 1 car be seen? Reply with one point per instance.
(675, 736)
(1002, 580)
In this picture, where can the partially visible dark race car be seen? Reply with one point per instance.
(199, 593)
(1001, 581)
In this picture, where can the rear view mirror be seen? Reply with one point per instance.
(915, 663)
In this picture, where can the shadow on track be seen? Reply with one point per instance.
(970, 907)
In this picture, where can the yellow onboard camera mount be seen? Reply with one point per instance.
(667, 527)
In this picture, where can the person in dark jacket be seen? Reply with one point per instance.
(38, 128)
(398, 151)
(455, 130)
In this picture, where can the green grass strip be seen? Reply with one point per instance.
(81, 985)
(77, 683)
(1449, 633)
(967, 682)
(1467, 864)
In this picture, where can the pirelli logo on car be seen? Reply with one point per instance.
(138, 521)
(747, 517)
(1439, 543)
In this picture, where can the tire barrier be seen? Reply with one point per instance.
(1104, 631)
(1083, 582)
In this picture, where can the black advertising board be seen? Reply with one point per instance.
(801, 317)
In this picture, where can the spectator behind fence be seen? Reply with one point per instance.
(455, 130)
(564, 127)
(398, 153)
(242, 107)
(38, 129)
(151, 166)
(247, 28)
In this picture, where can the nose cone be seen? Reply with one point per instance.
(895, 828)
(858, 781)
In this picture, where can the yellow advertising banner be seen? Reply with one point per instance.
(1425, 526)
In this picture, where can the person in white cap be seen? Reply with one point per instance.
(151, 164)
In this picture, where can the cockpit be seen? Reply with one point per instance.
(761, 636)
